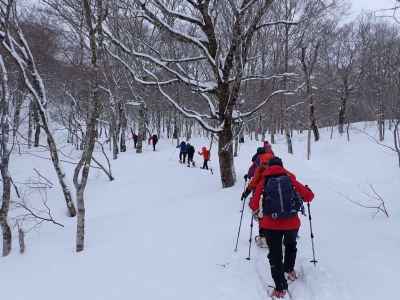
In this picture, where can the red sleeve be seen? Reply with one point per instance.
(305, 192)
(255, 200)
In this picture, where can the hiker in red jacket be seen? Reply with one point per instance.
(277, 199)
(206, 156)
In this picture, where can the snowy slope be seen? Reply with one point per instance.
(165, 231)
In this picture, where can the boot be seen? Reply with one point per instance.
(291, 276)
(278, 294)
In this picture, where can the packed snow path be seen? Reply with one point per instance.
(165, 231)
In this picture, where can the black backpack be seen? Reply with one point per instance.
(280, 200)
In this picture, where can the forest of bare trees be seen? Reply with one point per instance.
(104, 69)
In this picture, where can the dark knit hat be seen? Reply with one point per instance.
(276, 161)
(260, 150)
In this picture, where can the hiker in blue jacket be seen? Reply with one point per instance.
(183, 152)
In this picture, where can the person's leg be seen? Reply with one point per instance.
(290, 250)
(184, 157)
(206, 163)
(274, 241)
(180, 156)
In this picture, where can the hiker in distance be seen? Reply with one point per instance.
(135, 139)
(276, 202)
(190, 154)
(182, 152)
(154, 141)
(206, 157)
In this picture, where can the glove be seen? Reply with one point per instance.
(245, 194)
(246, 177)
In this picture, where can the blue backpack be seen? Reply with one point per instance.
(280, 200)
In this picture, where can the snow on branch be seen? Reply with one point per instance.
(133, 72)
(265, 101)
(247, 4)
(293, 106)
(210, 104)
(377, 203)
(191, 114)
(389, 13)
(262, 77)
(286, 22)
(157, 21)
(178, 15)
(204, 86)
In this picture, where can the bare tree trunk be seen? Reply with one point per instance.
(342, 114)
(396, 138)
(285, 112)
(30, 121)
(37, 125)
(142, 128)
(122, 140)
(308, 70)
(256, 132)
(17, 113)
(5, 158)
(80, 231)
(235, 154)
(272, 136)
(114, 135)
(159, 123)
(308, 144)
(21, 240)
(225, 154)
(313, 121)
(381, 118)
(83, 166)
(7, 237)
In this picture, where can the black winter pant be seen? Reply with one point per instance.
(278, 267)
(190, 159)
(182, 156)
(205, 164)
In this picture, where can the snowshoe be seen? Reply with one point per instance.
(275, 294)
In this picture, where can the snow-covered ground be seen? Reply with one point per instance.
(165, 231)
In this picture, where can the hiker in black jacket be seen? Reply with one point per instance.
(190, 153)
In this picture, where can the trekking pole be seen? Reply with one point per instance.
(241, 217)
(251, 235)
(314, 261)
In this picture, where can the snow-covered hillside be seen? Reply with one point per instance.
(165, 231)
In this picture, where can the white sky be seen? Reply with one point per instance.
(359, 5)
